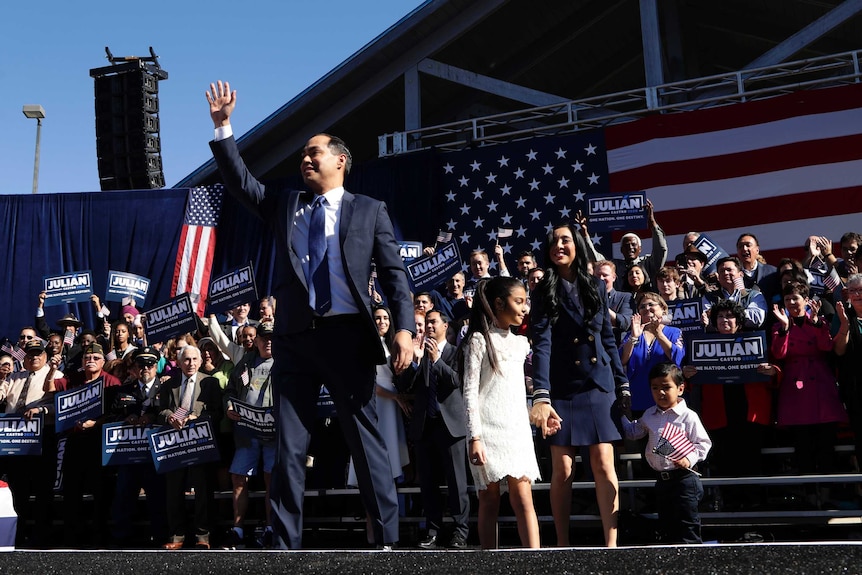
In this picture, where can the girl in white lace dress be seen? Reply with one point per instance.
(500, 446)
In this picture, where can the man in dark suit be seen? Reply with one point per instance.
(755, 273)
(192, 395)
(438, 429)
(325, 242)
(137, 403)
(239, 319)
(620, 307)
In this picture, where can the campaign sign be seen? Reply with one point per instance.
(711, 250)
(68, 288)
(20, 436)
(173, 449)
(79, 404)
(124, 444)
(123, 284)
(427, 272)
(685, 314)
(170, 319)
(730, 358)
(611, 212)
(254, 421)
(232, 289)
(410, 250)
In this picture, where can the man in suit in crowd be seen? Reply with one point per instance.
(239, 319)
(438, 429)
(755, 272)
(620, 306)
(326, 240)
(183, 399)
(137, 403)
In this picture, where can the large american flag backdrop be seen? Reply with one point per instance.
(195, 251)
(783, 168)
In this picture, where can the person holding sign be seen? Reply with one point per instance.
(82, 462)
(25, 393)
(325, 241)
(137, 403)
(737, 415)
(184, 398)
(250, 383)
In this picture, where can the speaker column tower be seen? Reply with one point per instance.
(128, 146)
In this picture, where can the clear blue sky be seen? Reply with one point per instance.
(270, 51)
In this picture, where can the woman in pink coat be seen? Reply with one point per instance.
(808, 402)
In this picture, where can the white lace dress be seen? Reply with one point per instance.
(497, 408)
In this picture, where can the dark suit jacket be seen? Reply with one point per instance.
(449, 397)
(573, 354)
(130, 400)
(622, 304)
(365, 233)
(226, 328)
(207, 398)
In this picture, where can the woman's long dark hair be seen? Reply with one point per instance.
(546, 292)
(482, 314)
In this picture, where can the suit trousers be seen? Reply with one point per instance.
(331, 355)
(201, 477)
(437, 445)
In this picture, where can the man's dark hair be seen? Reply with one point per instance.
(526, 253)
(749, 234)
(337, 146)
(443, 317)
(732, 259)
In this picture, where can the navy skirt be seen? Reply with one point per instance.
(588, 419)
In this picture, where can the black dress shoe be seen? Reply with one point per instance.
(429, 542)
(457, 542)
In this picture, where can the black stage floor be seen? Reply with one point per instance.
(734, 559)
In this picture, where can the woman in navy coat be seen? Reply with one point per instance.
(577, 376)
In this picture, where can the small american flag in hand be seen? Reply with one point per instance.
(673, 443)
(244, 377)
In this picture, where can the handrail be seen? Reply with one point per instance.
(597, 111)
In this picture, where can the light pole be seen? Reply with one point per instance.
(38, 112)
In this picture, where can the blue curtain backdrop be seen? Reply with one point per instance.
(138, 231)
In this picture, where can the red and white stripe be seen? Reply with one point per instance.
(676, 436)
(783, 168)
(194, 262)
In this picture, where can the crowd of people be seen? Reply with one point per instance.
(593, 357)
(581, 349)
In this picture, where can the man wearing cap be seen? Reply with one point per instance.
(82, 461)
(251, 383)
(187, 397)
(137, 403)
(32, 475)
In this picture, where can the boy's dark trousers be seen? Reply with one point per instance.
(678, 494)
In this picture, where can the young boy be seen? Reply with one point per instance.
(673, 453)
